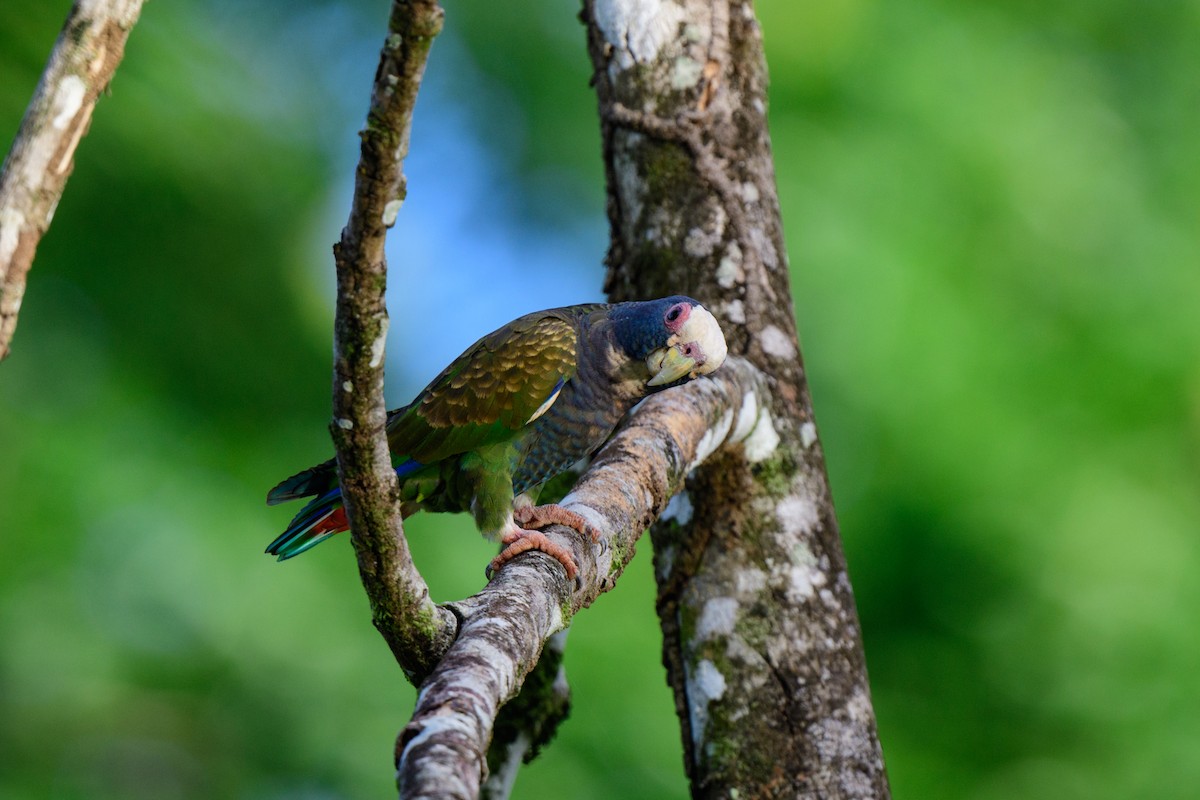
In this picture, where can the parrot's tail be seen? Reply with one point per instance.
(324, 515)
(316, 522)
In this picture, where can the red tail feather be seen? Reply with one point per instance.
(336, 522)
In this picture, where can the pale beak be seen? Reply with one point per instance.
(668, 366)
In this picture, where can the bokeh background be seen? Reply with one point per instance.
(993, 213)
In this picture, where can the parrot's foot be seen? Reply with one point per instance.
(519, 540)
(552, 514)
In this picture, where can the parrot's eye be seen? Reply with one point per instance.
(676, 315)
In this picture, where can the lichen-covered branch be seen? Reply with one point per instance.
(417, 631)
(761, 636)
(35, 172)
(504, 628)
(529, 721)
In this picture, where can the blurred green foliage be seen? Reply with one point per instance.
(992, 213)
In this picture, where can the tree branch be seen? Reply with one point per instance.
(441, 753)
(529, 721)
(417, 631)
(82, 64)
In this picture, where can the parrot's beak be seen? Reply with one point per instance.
(668, 365)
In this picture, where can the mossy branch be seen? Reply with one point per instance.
(417, 630)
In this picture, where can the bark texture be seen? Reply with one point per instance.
(417, 631)
(35, 172)
(503, 629)
(761, 636)
(529, 721)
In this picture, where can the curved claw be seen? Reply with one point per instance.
(554, 514)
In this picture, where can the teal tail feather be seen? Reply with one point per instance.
(316, 522)
(323, 516)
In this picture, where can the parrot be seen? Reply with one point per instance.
(520, 406)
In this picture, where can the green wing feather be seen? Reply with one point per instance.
(489, 393)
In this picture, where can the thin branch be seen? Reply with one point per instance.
(441, 753)
(83, 61)
(417, 631)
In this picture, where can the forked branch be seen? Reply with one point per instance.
(441, 753)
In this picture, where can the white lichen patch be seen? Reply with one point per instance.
(709, 681)
(803, 580)
(705, 684)
(629, 183)
(661, 226)
(679, 508)
(68, 100)
(344, 423)
(801, 577)
(712, 439)
(391, 211)
(765, 247)
(347, 387)
(686, 73)
(751, 581)
(799, 585)
(432, 726)
(729, 270)
(749, 193)
(735, 311)
(746, 418)
(556, 618)
(664, 561)
(777, 343)
(763, 439)
(702, 240)
(717, 618)
(637, 29)
(797, 515)
(699, 242)
(379, 345)
(808, 434)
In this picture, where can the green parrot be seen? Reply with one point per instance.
(517, 408)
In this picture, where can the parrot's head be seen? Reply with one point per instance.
(675, 337)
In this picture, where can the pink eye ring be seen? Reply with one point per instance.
(677, 315)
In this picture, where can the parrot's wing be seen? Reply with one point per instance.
(501, 384)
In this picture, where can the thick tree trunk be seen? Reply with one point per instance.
(761, 637)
